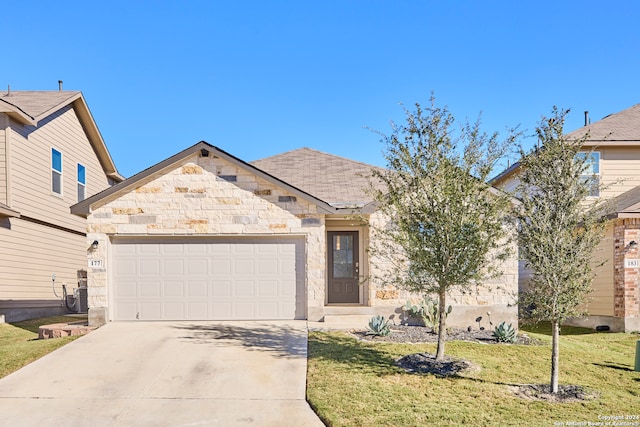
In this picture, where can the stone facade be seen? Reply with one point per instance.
(212, 197)
(497, 296)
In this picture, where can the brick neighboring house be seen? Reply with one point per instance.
(51, 156)
(615, 141)
(205, 235)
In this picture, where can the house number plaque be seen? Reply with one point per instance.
(631, 263)
(96, 263)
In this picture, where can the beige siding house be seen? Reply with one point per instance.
(51, 156)
(205, 235)
(615, 141)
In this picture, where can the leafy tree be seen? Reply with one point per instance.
(446, 227)
(559, 228)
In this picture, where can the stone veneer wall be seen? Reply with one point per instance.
(200, 196)
(498, 296)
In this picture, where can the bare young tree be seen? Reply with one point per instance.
(560, 227)
(446, 228)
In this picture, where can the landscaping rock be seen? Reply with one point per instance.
(421, 334)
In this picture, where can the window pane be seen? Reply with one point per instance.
(56, 182)
(80, 192)
(81, 174)
(56, 160)
(595, 162)
(342, 257)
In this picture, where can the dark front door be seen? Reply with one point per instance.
(343, 267)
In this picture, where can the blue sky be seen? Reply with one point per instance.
(258, 78)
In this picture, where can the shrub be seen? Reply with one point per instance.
(378, 326)
(505, 332)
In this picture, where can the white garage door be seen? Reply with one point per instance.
(208, 279)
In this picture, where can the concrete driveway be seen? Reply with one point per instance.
(167, 374)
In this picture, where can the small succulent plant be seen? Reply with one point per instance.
(505, 332)
(378, 326)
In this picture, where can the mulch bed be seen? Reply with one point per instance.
(542, 392)
(425, 363)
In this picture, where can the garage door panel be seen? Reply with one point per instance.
(243, 279)
(198, 266)
(197, 288)
(126, 310)
(173, 267)
(125, 267)
(150, 289)
(268, 310)
(197, 310)
(149, 267)
(267, 266)
(244, 266)
(127, 288)
(173, 288)
(149, 249)
(150, 310)
(268, 288)
(244, 288)
(221, 311)
(174, 310)
(221, 267)
(221, 288)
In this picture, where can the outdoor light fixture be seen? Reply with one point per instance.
(94, 245)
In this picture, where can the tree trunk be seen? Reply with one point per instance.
(555, 355)
(442, 328)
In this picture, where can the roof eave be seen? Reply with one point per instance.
(6, 211)
(95, 137)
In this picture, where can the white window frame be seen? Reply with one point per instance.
(59, 172)
(80, 184)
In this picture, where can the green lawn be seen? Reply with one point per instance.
(354, 383)
(19, 343)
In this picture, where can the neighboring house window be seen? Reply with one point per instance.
(592, 172)
(82, 182)
(56, 171)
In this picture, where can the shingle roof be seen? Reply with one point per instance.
(35, 104)
(29, 107)
(617, 129)
(627, 204)
(622, 128)
(336, 180)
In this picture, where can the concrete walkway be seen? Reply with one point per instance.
(167, 374)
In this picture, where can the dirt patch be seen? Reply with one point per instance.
(542, 392)
(421, 334)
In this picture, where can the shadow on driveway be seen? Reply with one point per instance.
(280, 339)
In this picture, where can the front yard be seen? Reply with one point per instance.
(355, 383)
(19, 343)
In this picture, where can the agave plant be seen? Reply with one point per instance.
(378, 326)
(505, 332)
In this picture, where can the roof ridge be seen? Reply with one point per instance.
(319, 152)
